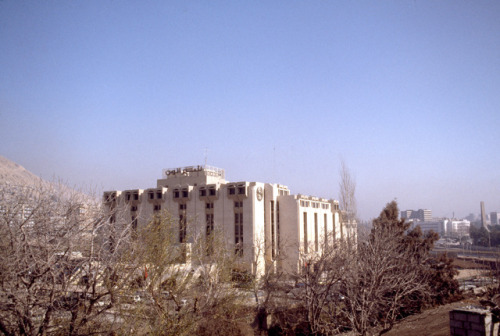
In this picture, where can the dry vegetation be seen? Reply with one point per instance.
(67, 269)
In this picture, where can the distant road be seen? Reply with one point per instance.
(476, 252)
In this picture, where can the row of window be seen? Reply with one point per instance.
(183, 206)
(315, 205)
(283, 192)
(239, 204)
(210, 192)
(203, 192)
(178, 193)
(241, 190)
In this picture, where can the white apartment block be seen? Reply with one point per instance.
(457, 228)
(264, 223)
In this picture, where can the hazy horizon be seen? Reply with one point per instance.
(109, 93)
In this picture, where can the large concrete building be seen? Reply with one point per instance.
(438, 226)
(424, 215)
(263, 222)
(495, 218)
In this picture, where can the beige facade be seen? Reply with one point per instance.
(263, 221)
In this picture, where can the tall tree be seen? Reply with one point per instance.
(390, 275)
(347, 196)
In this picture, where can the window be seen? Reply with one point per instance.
(325, 206)
(203, 192)
(209, 205)
(151, 196)
(241, 190)
(316, 233)
(211, 191)
(134, 223)
(127, 197)
(334, 234)
(238, 204)
(159, 195)
(134, 227)
(232, 191)
(278, 227)
(306, 243)
(136, 196)
(209, 230)
(273, 233)
(182, 228)
(157, 207)
(210, 224)
(184, 193)
(110, 197)
(182, 223)
(238, 233)
(176, 193)
(325, 220)
(133, 208)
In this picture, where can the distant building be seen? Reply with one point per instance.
(424, 215)
(436, 226)
(406, 214)
(457, 228)
(494, 218)
(289, 230)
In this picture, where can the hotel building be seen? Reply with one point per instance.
(262, 222)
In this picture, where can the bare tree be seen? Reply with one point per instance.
(179, 288)
(55, 275)
(365, 287)
(319, 290)
(376, 287)
(347, 196)
(390, 273)
(268, 281)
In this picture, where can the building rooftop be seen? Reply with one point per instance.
(193, 170)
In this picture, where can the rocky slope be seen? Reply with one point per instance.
(15, 174)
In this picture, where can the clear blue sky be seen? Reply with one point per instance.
(107, 93)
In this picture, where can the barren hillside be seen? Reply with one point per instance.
(15, 174)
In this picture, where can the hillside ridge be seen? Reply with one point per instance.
(15, 174)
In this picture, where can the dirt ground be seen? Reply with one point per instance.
(432, 322)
